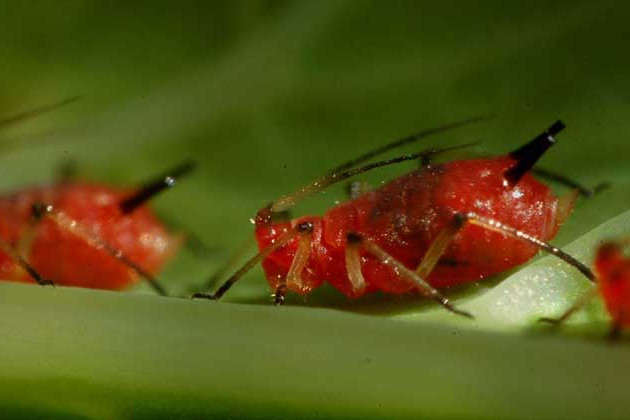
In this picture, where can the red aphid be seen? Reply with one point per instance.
(83, 234)
(60, 255)
(612, 269)
(405, 216)
(435, 227)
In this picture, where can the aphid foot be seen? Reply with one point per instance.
(279, 295)
(44, 282)
(209, 296)
(615, 332)
(549, 320)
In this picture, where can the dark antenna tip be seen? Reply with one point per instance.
(156, 186)
(527, 155)
(556, 127)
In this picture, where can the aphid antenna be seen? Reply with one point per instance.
(155, 186)
(42, 210)
(409, 140)
(286, 202)
(16, 118)
(527, 155)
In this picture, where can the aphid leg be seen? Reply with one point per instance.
(566, 202)
(155, 186)
(614, 333)
(439, 245)
(279, 243)
(570, 183)
(238, 254)
(233, 258)
(577, 305)
(41, 211)
(497, 226)
(280, 293)
(300, 260)
(424, 287)
(353, 264)
(24, 265)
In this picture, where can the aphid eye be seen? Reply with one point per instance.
(39, 210)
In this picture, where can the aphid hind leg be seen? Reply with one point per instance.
(41, 211)
(570, 183)
(422, 286)
(460, 219)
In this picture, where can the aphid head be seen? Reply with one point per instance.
(527, 155)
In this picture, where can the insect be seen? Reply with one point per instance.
(435, 227)
(612, 274)
(84, 234)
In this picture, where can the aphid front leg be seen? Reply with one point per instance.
(294, 276)
(424, 287)
(251, 263)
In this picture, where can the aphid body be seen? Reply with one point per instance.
(68, 257)
(405, 216)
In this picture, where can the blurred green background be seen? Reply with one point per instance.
(266, 95)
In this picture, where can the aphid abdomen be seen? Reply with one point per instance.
(67, 259)
(479, 186)
(405, 216)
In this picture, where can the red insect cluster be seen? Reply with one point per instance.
(434, 227)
